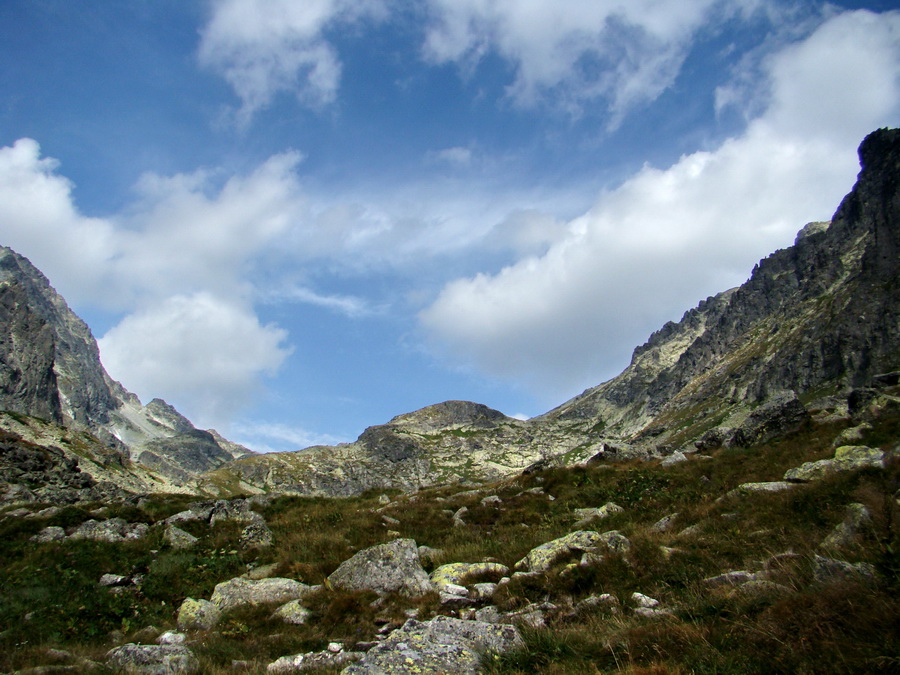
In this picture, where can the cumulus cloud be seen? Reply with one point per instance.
(666, 238)
(200, 349)
(279, 437)
(38, 215)
(263, 47)
(626, 52)
(177, 265)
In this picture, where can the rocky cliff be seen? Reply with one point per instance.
(812, 323)
(818, 318)
(50, 370)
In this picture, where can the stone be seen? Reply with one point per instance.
(770, 486)
(256, 535)
(734, 578)
(492, 500)
(542, 558)
(237, 510)
(483, 591)
(293, 613)
(604, 601)
(665, 523)
(171, 637)
(198, 615)
(651, 613)
(642, 600)
(458, 517)
(152, 659)
(114, 580)
(847, 533)
(778, 416)
(846, 458)
(489, 614)
(113, 530)
(48, 534)
(441, 645)
(586, 515)
(240, 592)
(178, 538)
(262, 572)
(454, 573)
(675, 458)
(386, 568)
(828, 570)
(428, 555)
(299, 663)
(384, 499)
(851, 435)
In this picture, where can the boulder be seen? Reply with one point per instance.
(198, 615)
(542, 558)
(178, 538)
(454, 573)
(770, 486)
(112, 530)
(441, 645)
(778, 416)
(848, 532)
(241, 591)
(293, 613)
(664, 524)
(256, 535)
(846, 458)
(827, 570)
(585, 516)
(48, 534)
(386, 568)
(152, 659)
(299, 663)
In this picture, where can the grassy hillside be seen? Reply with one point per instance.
(53, 611)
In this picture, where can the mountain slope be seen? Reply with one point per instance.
(50, 369)
(816, 319)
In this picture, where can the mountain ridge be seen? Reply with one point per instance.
(813, 322)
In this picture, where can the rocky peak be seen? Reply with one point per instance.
(449, 414)
(50, 369)
(821, 315)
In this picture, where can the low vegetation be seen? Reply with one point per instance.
(51, 598)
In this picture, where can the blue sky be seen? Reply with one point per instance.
(295, 220)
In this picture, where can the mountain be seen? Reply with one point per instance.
(813, 322)
(50, 371)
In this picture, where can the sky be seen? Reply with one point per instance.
(294, 220)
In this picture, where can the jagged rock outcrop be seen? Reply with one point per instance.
(819, 317)
(50, 370)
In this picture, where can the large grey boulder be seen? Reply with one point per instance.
(455, 573)
(386, 568)
(198, 615)
(543, 557)
(849, 531)
(778, 416)
(441, 645)
(241, 591)
(846, 458)
(152, 659)
(112, 530)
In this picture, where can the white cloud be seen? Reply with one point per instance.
(624, 51)
(263, 47)
(665, 239)
(347, 305)
(278, 437)
(37, 215)
(166, 265)
(200, 349)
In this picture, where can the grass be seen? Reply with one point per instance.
(52, 600)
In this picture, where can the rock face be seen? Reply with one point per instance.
(442, 645)
(387, 568)
(821, 315)
(50, 369)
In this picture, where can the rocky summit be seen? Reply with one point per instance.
(52, 385)
(727, 504)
